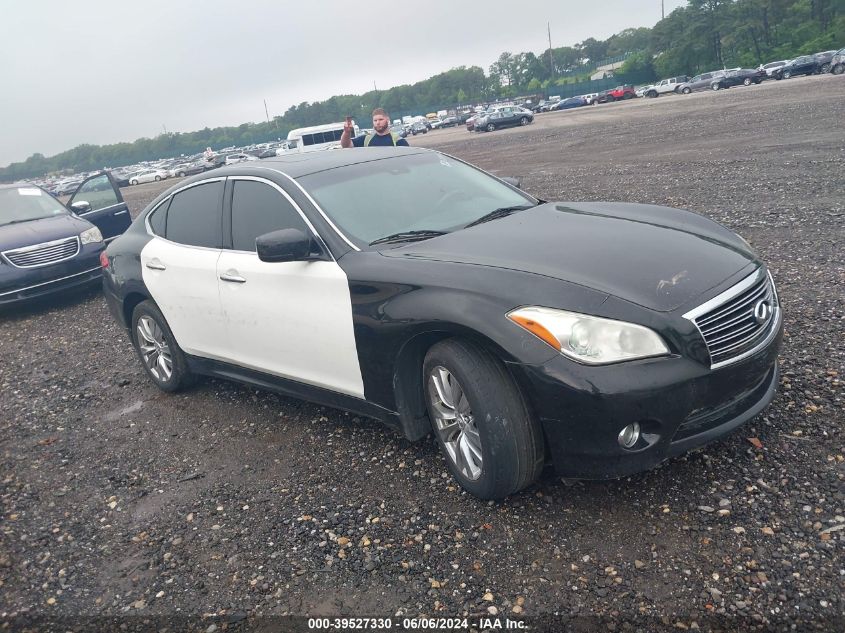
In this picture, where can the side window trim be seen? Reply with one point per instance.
(161, 207)
(287, 197)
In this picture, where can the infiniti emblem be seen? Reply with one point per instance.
(762, 311)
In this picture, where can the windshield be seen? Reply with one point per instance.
(21, 204)
(417, 192)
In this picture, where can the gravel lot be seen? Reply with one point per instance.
(226, 502)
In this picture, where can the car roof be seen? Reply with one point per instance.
(296, 164)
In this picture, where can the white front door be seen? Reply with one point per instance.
(289, 319)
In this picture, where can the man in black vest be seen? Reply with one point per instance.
(383, 137)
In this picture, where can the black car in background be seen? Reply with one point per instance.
(824, 59)
(804, 65)
(506, 117)
(741, 77)
(45, 247)
(572, 102)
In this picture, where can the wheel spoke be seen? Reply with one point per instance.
(442, 380)
(447, 429)
(471, 461)
(145, 331)
(164, 364)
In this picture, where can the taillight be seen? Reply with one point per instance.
(104, 259)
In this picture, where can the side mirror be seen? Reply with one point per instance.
(81, 207)
(288, 245)
(513, 182)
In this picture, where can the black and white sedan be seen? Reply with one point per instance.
(407, 285)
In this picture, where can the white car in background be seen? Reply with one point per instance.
(148, 175)
(772, 67)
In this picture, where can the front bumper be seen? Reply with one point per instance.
(18, 285)
(679, 403)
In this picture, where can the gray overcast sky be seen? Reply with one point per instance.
(101, 72)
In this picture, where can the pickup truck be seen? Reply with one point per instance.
(665, 86)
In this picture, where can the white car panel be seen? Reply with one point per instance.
(291, 319)
(183, 282)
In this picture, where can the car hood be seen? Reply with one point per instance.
(40, 231)
(657, 257)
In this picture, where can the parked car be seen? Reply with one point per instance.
(621, 92)
(449, 121)
(772, 67)
(837, 62)
(665, 86)
(504, 117)
(824, 59)
(741, 77)
(572, 102)
(804, 65)
(399, 130)
(147, 175)
(189, 169)
(701, 82)
(233, 159)
(590, 97)
(47, 247)
(419, 128)
(447, 304)
(65, 187)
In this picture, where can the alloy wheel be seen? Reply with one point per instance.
(454, 422)
(155, 351)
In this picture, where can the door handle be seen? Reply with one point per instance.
(155, 264)
(233, 276)
(122, 212)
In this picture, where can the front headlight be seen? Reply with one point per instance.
(589, 339)
(91, 236)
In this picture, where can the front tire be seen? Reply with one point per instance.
(492, 445)
(747, 81)
(523, 120)
(160, 354)
(686, 91)
(825, 68)
(838, 69)
(490, 127)
(787, 74)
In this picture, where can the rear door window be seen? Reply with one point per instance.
(195, 216)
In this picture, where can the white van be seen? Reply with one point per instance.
(318, 137)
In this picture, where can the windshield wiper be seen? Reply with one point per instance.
(407, 236)
(499, 213)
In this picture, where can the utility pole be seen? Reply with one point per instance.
(662, 9)
(266, 111)
(551, 57)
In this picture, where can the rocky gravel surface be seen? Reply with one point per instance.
(212, 509)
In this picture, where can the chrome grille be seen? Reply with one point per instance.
(728, 323)
(43, 254)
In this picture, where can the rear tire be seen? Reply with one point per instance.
(686, 91)
(492, 445)
(747, 81)
(159, 353)
(787, 74)
(838, 69)
(133, 182)
(825, 68)
(523, 120)
(158, 178)
(490, 127)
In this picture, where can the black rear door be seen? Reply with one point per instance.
(105, 206)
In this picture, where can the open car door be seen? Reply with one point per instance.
(98, 200)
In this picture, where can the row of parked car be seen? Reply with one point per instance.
(826, 61)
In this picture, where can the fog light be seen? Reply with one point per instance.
(629, 435)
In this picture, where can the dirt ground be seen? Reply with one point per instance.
(224, 505)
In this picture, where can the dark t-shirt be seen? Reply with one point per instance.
(379, 141)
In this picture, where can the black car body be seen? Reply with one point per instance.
(741, 77)
(46, 248)
(503, 117)
(804, 65)
(604, 336)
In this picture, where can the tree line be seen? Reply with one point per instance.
(703, 35)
